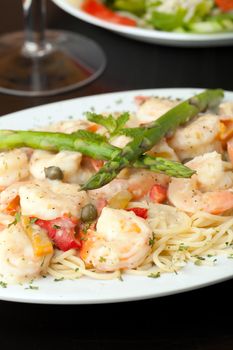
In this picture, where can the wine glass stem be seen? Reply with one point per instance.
(35, 44)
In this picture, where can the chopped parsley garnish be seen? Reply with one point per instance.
(199, 260)
(154, 275)
(119, 101)
(33, 220)
(17, 219)
(32, 287)
(58, 279)
(86, 227)
(102, 259)
(57, 227)
(182, 247)
(152, 240)
(3, 284)
(121, 278)
(113, 125)
(42, 263)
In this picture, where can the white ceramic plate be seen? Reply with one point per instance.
(86, 290)
(148, 35)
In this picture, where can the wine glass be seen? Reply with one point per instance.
(41, 62)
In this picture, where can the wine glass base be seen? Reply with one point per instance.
(73, 62)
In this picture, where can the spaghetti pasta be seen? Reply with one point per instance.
(178, 239)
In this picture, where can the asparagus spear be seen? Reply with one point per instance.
(87, 143)
(150, 135)
(82, 141)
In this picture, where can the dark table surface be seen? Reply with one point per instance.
(197, 320)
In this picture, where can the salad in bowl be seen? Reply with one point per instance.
(181, 16)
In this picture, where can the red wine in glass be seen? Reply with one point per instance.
(39, 62)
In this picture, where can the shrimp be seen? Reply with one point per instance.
(196, 138)
(46, 200)
(17, 260)
(69, 126)
(152, 108)
(13, 167)
(5, 220)
(120, 141)
(209, 189)
(121, 241)
(226, 109)
(68, 162)
(162, 149)
(138, 183)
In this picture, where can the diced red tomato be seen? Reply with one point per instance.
(225, 5)
(99, 10)
(158, 193)
(62, 232)
(141, 212)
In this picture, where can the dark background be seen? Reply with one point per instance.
(131, 64)
(197, 320)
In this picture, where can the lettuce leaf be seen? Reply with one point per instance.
(137, 7)
(167, 21)
(203, 9)
(213, 24)
(205, 27)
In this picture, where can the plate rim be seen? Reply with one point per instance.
(113, 300)
(118, 92)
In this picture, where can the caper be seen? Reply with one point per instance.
(89, 213)
(53, 173)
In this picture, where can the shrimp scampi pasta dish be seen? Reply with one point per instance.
(142, 192)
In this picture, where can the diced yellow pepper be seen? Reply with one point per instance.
(120, 200)
(226, 130)
(40, 241)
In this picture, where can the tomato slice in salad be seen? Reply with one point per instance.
(225, 5)
(97, 9)
(61, 231)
